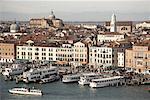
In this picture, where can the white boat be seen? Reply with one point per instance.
(37, 74)
(52, 78)
(26, 91)
(71, 78)
(15, 69)
(111, 81)
(86, 78)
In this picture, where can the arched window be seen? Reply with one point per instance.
(124, 28)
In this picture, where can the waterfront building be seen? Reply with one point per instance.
(119, 52)
(80, 53)
(112, 54)
(100, 56)
(121, 59)
(36, 51)
(109, 36)
(138, 57)
(64, 53)
(7, 52)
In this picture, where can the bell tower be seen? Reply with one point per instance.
(113, 27)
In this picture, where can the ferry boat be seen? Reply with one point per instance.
(37, 74)
(103, 82)
(25, 91)
(71, 78)
(52, 78)
(86, 78)
(15, 69)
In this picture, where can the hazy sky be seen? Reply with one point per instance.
(75, 10)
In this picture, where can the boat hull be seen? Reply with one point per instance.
(83, 83)
(69, 81)
(24, 93)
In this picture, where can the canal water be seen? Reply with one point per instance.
(73, 91)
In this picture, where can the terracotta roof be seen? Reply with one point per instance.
(110, 33)
(143, 43)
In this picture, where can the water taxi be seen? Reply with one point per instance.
(86, 78)
(25, 91)
(71, 78)
(103, 82)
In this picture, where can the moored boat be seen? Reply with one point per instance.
(37, 74)
(26, 91)
(103, 82)
(15, 69)
(86, 78)
(52, 78)
(71, 78)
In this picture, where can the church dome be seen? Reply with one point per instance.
(14, 27)
(52, 16)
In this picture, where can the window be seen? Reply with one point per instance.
(107, 61)
(37, 49)
(43, 58)
(36, 53)
(90, 50)
(106, 56)
(124, 28)
(23, 48)
(50, 54)
(43, 54)
(109, 56)
(81, 59)
(29, 48)
(43, 49)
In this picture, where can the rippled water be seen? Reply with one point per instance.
(73, 91)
